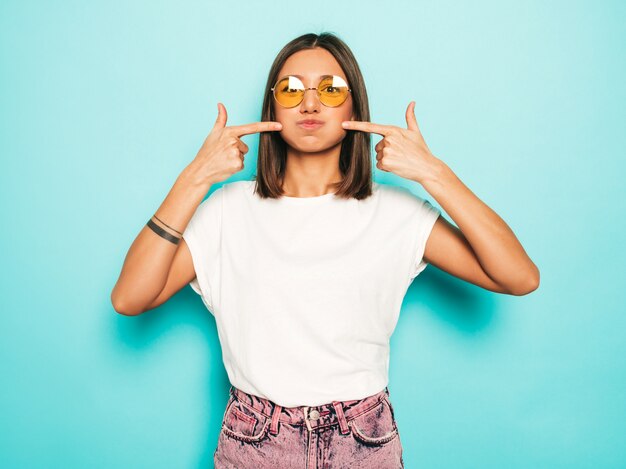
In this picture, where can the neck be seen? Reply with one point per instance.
(311, 174)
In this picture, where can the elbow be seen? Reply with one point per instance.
(121, 308)
(529, 286)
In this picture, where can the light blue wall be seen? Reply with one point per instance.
(102, 104)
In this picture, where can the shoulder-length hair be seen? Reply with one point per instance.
(355, 162)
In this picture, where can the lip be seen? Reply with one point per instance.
(310, 124)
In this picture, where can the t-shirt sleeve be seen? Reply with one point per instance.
(203, 237)
(425, 215)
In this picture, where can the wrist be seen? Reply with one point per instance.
(194, 180)
(439, 175)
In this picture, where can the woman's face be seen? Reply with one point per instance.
(311, 64)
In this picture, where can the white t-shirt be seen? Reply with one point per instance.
(306, 291)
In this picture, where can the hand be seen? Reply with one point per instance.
(401, 151)
(222, 153)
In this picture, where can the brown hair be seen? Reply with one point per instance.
(355, 162)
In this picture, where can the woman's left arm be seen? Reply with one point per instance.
(483, 250)
(482, 241)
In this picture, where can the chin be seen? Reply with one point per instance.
(312, 144)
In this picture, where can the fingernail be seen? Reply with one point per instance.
(345, 124)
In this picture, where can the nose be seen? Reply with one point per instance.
(311, 101)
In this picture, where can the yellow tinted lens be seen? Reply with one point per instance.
(333, 91)
(289, 91)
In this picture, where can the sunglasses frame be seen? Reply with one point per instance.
(317, 88)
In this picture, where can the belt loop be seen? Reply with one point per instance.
(343, 423)
(275, 415)
(305, 410)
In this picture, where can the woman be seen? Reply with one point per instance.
(305, 269)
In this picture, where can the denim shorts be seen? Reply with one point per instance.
(257, 433)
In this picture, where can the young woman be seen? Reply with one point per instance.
(306, 267)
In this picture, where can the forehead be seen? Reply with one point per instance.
(311, 64)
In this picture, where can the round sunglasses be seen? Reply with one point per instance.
(289, 90)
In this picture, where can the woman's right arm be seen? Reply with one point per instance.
(155, 268)
(151, 258)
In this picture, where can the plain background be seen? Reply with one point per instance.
(102, 104)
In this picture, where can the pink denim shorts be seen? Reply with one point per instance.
(257, 433)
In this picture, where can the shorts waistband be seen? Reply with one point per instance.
(324, 415)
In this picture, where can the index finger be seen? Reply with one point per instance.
(368, 127)
(255, 127)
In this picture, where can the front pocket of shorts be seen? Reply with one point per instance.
(376, 426)
(244, 423)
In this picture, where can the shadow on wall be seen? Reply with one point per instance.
(137, 337)
(469, 308)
